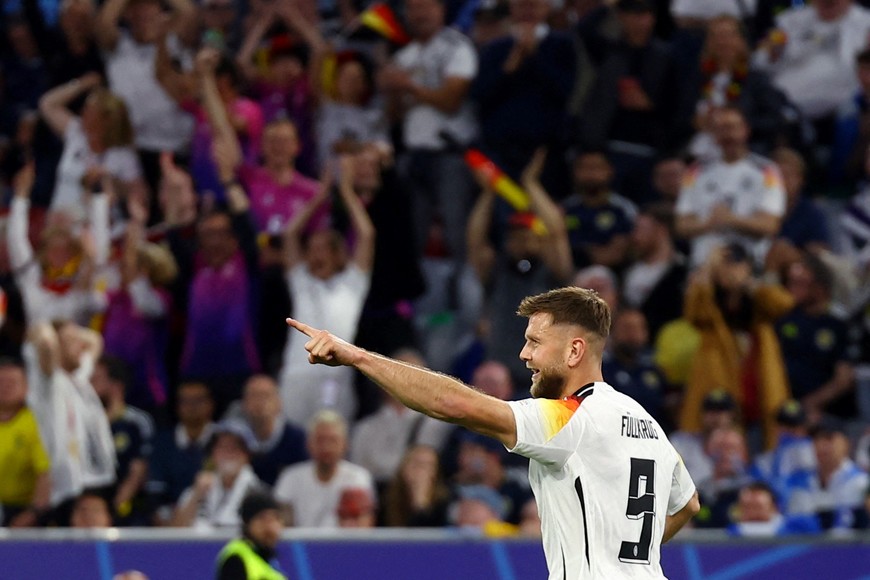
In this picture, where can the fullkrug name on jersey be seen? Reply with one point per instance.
(637, 428)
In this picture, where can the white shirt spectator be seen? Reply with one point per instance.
(338, 121)
(42, 304)
(158, 121)
(817, 67)
(448, 54)
(119, 162)
(380, 440)
(845, 492)
(335, 304)
(314, 502)
(707, 9)
(73, 425)
(748, 186)
(220, 508)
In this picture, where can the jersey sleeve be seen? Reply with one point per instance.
(538, 422)
(682, 487)
(772, 198)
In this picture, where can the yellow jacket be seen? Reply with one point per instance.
(719, 363)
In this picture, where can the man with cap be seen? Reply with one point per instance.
(717, 411)
(217, 492)
(253, 555)
(789, 467)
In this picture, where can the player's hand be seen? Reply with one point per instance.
(324, 348)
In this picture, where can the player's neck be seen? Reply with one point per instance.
(580, 380)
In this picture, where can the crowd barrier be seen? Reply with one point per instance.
(404, 554)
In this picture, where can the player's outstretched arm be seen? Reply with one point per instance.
(674, 523)
(423, 390)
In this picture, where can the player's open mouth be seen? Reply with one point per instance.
(535, 373)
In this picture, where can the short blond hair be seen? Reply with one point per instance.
(328, 417)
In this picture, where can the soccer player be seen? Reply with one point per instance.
(610, 487)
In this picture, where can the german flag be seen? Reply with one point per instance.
(380, 18)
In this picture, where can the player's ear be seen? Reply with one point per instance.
(577, 352)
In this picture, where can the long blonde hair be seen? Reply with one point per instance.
(117, 128)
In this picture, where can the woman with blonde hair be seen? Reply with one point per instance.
(417, 496)
(55, 278)
(99, 141)
(725, 78)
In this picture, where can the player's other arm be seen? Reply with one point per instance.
(674, 523)
(423, 390)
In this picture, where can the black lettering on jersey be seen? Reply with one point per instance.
(637, 428)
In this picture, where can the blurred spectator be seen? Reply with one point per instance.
(603, 281)
(522, 89)
(854, 219)
(725, 77)
(278, 192)
(356, 508)
(328, 289)
(634, 101)
(397, 278)
(658, 272)
(25, 486)
(852, 133)
(739, 351)
(417, 495)
(136, 320)
(628, 363)
(219, 84)
(815, 343)
(481, 508)
(158, 123)
(804, 225)
(840, 485)
(738, 198)
(91, 511)
(97, 143)
(218, 282)
(381, 440)
(788, 468)
(667, 179)
(810, 54)
(342, 89)
(530, 520)
(60, 359)
(283, 86)
(599, 220)
(759, 517)
(527, 262)
(254, 554)
(214, 499)
(132, 433)
(179, 453)
(726, 448)
(55, 279)
(426, 86)
(718, 411)
(275, 443)
(68, 48)
(310, 492)
(481, 462)
(25, 76)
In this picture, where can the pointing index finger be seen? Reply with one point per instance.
(301, 327)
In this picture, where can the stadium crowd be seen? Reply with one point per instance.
(180, 176)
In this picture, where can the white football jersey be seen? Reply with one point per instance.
(604, 477)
